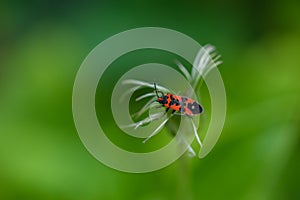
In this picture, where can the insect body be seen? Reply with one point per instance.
(182, 104)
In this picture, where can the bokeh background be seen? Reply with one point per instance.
(43, 44)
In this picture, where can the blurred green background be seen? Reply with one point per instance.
(42, 46)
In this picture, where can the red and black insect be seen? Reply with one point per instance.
(184, 105)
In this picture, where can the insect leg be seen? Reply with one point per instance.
(167, 109)
(178, 113)
(157, 91)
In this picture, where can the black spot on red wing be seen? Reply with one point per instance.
(164, 100)
(171, 103)
(195, 108)
(171, 96)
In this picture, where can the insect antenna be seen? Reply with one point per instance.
(156, 91)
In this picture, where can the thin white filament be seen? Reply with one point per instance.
(196, 133)
(157, 129)
(128, 92)
(145, 96)
(144, 121)
(183, 70)
(201, 59)
(145, 107)
(148, 119)
(190, 149)
(146, 84)
(181, 140)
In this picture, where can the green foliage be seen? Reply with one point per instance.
(43, 45)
